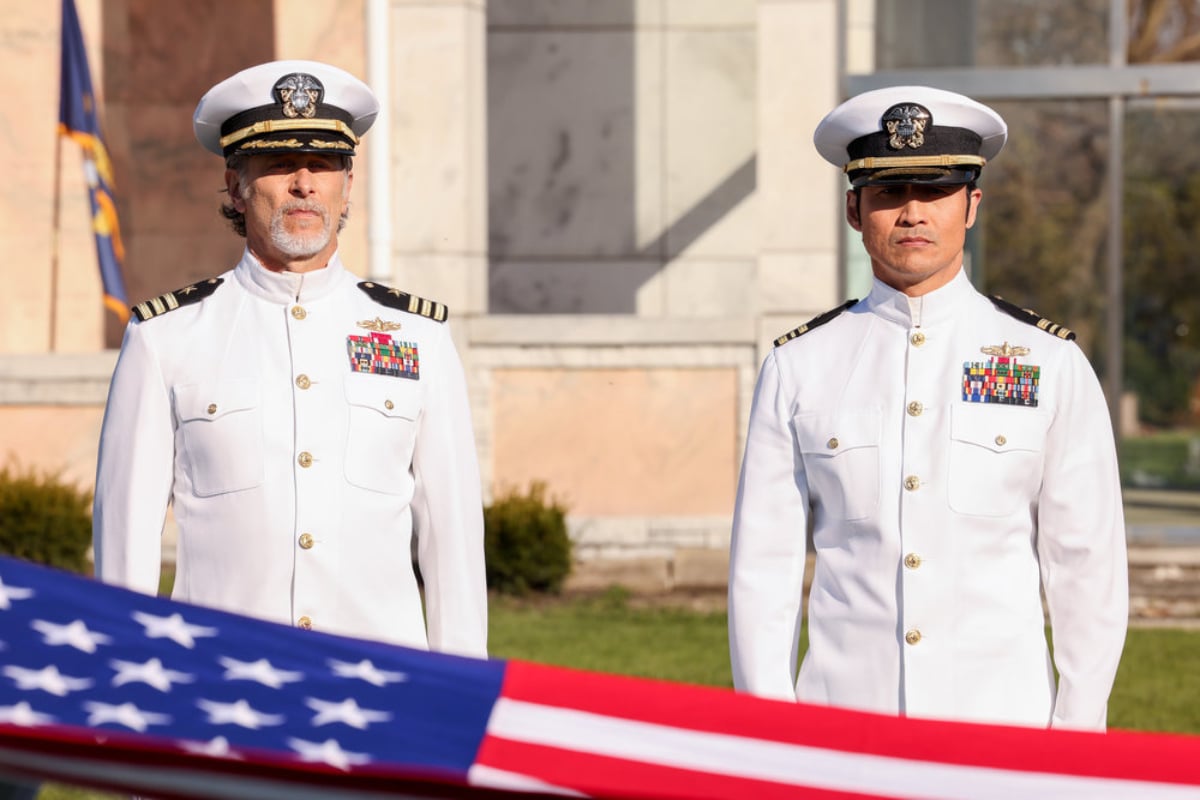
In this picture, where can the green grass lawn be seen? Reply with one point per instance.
(1157, 686)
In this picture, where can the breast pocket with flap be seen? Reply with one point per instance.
(220, 435)
(996, 458)
(841, 460)
(384, 414)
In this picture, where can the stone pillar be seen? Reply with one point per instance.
(801, 200)
(438, 140)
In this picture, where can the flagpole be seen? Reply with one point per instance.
(54, 239)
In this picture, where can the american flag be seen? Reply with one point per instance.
(126, 692)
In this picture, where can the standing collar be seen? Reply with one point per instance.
(929, 309)
(288, 287)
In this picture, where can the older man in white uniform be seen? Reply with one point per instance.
(952, 452)
(305, 424)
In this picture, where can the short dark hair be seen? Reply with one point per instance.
(237, 220)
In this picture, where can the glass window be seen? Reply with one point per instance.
(916, 34)
(1162, 307)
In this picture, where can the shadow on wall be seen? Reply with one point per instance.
(574, 218)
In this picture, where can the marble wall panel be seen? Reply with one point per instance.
(698, 288)
(643, 441)
(710, 141)
(436, 201)
(800, 192)
(562, 141)
(798, 280)
(325, 30)
(709, 13)
(604, 14)
(53, 439)
(582, 286)
(452, 279)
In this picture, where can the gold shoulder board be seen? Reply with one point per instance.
(1031, 317)
(394, 298)
(172, 300)
(815, 322)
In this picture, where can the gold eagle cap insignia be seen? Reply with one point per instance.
(378, 325)
(1006, 350)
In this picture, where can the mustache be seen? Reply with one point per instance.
(304, 205)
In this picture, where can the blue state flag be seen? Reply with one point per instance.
(77, 121)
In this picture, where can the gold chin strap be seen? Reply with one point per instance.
(944, 161)
(273, 125)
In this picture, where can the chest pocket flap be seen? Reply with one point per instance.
(383, 420)
(214, 400)
(999, 429)
(220, 435)
(841, 460)
(385, 396)
(831, 434)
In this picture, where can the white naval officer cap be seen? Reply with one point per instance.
(910, 134)
(285, 107)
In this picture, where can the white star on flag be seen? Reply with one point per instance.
(75, 634)
(239, 713)
(152, 673)
(173, 627)
(48, 679)
(9, 593)
(23, 714)
(366, 671)
(328, 752)
(126, 714)
(217, 748)
(347, 712)
(260, 671)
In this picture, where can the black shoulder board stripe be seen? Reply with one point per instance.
(394, 298)
(1032, 317)
(815, 322)
(173, 300)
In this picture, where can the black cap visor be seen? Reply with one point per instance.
(887, 176)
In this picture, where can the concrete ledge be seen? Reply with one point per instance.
(56, 379)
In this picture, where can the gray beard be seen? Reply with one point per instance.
(300, 245)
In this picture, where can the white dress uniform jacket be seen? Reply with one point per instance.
(297, 481)
(936, 520)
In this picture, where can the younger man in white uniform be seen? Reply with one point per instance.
(952, 452)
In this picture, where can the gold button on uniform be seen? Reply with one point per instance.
(212, 408)
(912, 483)
(303, 382)
(912, 561)
(918, 339)
(915, 408)
(298, 312)
(1001, 440)
(304, 623)
(833, 443)
(389, 405)
(912, 636)
(306, 541)
(305, 459)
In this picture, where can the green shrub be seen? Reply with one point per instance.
(43, 519)
(526, 546)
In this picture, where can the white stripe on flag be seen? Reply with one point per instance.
(799, 765)
(492, 778)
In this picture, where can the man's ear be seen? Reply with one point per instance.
(852, 214)
(233, 186)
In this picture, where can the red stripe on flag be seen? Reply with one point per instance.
(1117, 754)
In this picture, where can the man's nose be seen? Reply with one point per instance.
(302, 182)
(913, 211)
